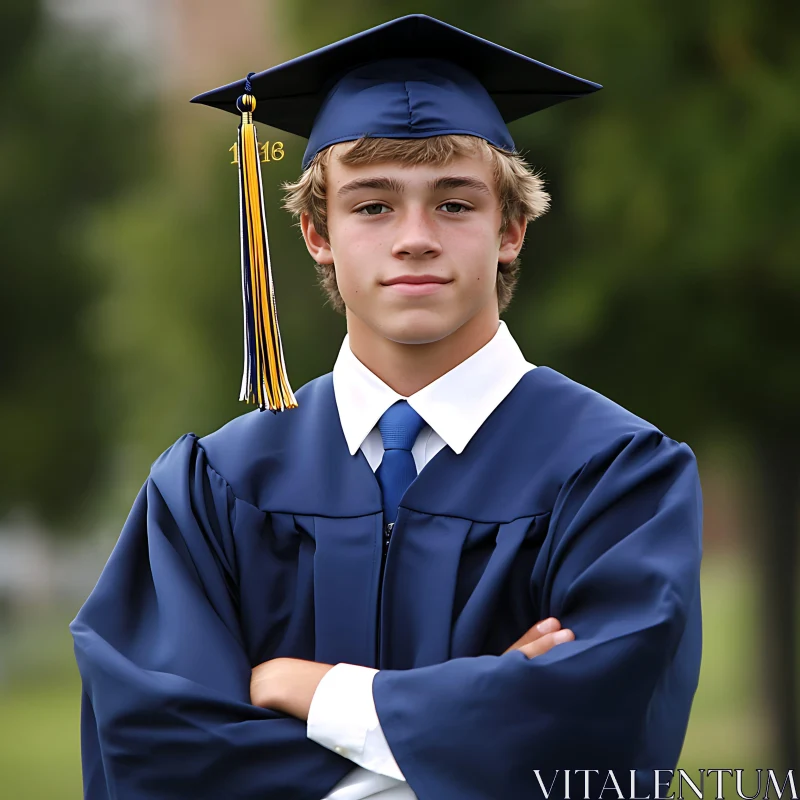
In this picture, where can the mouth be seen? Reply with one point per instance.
(417, 284)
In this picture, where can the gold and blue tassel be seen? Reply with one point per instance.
(264, 379)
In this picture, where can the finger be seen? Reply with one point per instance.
(547, 642)
(548, 625)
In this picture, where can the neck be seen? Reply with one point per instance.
(407, 368)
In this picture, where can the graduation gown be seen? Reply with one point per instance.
(264, 540)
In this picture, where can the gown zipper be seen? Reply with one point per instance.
(387, 536)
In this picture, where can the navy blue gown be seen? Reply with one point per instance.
(264, 539)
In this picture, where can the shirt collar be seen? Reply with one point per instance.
(455, 405)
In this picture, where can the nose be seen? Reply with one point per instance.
(416, 235)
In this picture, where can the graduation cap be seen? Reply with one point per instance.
(412, 77)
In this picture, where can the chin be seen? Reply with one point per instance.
(418, 329)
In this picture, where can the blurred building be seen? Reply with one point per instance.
(184, 45)
(36, 570)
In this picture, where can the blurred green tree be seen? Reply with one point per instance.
(72, 134)
(667, 276)
(171, 309)
(666, 265)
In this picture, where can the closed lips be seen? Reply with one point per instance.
(416, 279)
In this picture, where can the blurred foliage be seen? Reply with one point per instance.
(39, 706)
(172, 308)
(71, 137)
(666, 276)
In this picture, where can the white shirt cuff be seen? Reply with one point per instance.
(342, 717)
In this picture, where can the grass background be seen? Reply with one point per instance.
(40, 700)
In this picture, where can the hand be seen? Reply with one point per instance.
(286, 685)
(543, 636)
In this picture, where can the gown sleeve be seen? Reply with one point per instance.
(620, 567)
(166, 709)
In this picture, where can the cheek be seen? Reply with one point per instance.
(353, 274)
(357, 254)
(476, 249)
(479, 237)
(477, 252)
(347, 253)
(348, 284)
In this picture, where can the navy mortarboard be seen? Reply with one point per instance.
(430, 79)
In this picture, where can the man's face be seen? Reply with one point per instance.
(415, 249)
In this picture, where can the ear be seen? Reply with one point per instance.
(512, 240)
(318, 246)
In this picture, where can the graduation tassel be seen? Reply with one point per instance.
(264, 379)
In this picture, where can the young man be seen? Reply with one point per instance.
(339, 601)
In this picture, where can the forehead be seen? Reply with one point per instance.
(476, 163)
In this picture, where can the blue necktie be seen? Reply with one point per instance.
(399, 428)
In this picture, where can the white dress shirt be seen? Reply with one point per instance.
(342, 715)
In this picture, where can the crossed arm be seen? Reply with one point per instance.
(288, 685)
(172, 706)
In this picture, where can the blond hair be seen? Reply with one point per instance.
(520, 190)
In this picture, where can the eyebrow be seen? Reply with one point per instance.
(393, 185)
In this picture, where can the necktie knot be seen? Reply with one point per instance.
(399, 426)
